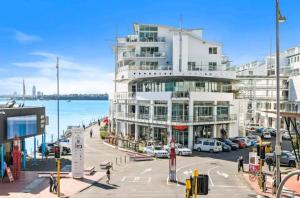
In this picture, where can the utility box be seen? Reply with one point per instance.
(202, 184)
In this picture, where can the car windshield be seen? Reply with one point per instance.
(157, 148)
(180, 146)
(228, 141)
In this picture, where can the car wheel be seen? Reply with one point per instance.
(199, 149)
(292, 164)
(180, 153)
(211, 150)
(155, 155)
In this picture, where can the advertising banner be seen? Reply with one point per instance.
(253, 162)
(77, 152)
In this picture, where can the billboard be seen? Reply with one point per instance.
(21, 126)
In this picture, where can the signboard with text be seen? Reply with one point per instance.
(253, 162)
(77, 152)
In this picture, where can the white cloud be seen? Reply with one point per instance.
(74, 77)
(25, 38)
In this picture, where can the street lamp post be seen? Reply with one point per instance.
(58, 160)
(279, 18)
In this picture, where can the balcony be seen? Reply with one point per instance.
(144, 116)
(160, 117)
(180, 118)
(124, 95)
(209, 118)
(135, 39)
(180, 94)
(143, 55)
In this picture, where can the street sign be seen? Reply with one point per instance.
(77, 152)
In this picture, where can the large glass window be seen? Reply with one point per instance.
(149, 51)
(148, 33)
(180, 112)
(212, 66)
(212, 50)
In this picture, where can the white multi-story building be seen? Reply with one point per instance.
(170, 82)
(257, 83)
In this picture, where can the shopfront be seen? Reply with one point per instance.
(180, 134)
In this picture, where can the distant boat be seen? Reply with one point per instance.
(69, 101)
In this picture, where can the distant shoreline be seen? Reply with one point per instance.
(62, 97)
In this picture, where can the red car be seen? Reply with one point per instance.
(241, 143)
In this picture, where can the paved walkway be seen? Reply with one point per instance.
(30, 185)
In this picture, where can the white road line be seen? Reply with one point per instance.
(224, 186)
(136, 179)
(222, 174)
(149, 180)
(208, 173)
(123, 179)
(146, 170)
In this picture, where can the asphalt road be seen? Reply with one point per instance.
(150, 178)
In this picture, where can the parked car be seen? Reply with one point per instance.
(287, 158)
(225, 147)
(246, 140)
(234, 146)
(253, 139)
(156, 151)
(241, 143)
(260, 129)
(50, 147)
(266, 135)
(271, 130)
(179, 149)
(252, 127)
(208, 144)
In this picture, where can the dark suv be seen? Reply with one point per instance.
(50, 148)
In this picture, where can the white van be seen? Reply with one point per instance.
(208, 144)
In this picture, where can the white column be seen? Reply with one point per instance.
(191, 138)
(117, 128)
(214, 130)
(191, 128)
(136, 132)
(151, 111)
(169, 121)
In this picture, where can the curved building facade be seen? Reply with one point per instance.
(172, 83)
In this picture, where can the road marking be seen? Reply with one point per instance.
(224, 186)
(189, 172)
(208, 173)
(223, 174)
(136, 179)
(123, 179)
(146, 170)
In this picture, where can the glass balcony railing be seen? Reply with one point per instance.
(144, 55)
(134, 38)
(160, 117)
(180, 94)
(144, 116)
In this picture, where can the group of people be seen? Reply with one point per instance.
(53, 183)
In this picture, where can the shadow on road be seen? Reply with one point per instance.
(106, 186)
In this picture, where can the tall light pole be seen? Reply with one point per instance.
(279, 18)
(58, 160)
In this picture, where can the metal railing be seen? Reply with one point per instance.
(125, 95)
(136, 39)
(180, 94)
(160, 117)
(142, 55)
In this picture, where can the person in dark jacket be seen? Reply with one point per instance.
(108, 175)
(241, 163)
(51, 181)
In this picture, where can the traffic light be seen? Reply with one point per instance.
(258, 149)
(262, 152)
(57, 152)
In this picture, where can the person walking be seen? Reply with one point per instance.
(269, 163)
(54, 185)
(108, 175)
(51, 181)
(47, 153)
(91, 133)
(241, 163)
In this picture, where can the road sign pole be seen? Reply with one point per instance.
(58, 177)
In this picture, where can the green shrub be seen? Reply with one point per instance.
(103, 134)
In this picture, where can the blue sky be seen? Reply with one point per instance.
(34, 32)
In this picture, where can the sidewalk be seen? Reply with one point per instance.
(292, 184)
(31, 185)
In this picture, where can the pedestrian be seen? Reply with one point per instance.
(47, 154)
(108, 175)
(91, 133)
(269, 163)
(54, 185)
(51, 181)
(241, 163)
(98, 122)
(263, 182)
(83, 127)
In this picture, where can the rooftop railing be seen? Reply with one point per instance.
(149, 39)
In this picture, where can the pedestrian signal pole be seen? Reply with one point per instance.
(196, 173)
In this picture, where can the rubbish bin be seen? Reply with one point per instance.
(202, 184)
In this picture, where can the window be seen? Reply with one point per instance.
(148, 33)
(206, 143)
(192, 66)
(213, 50)
(212, 66)
(149, 51)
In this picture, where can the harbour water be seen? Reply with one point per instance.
(72, 113)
